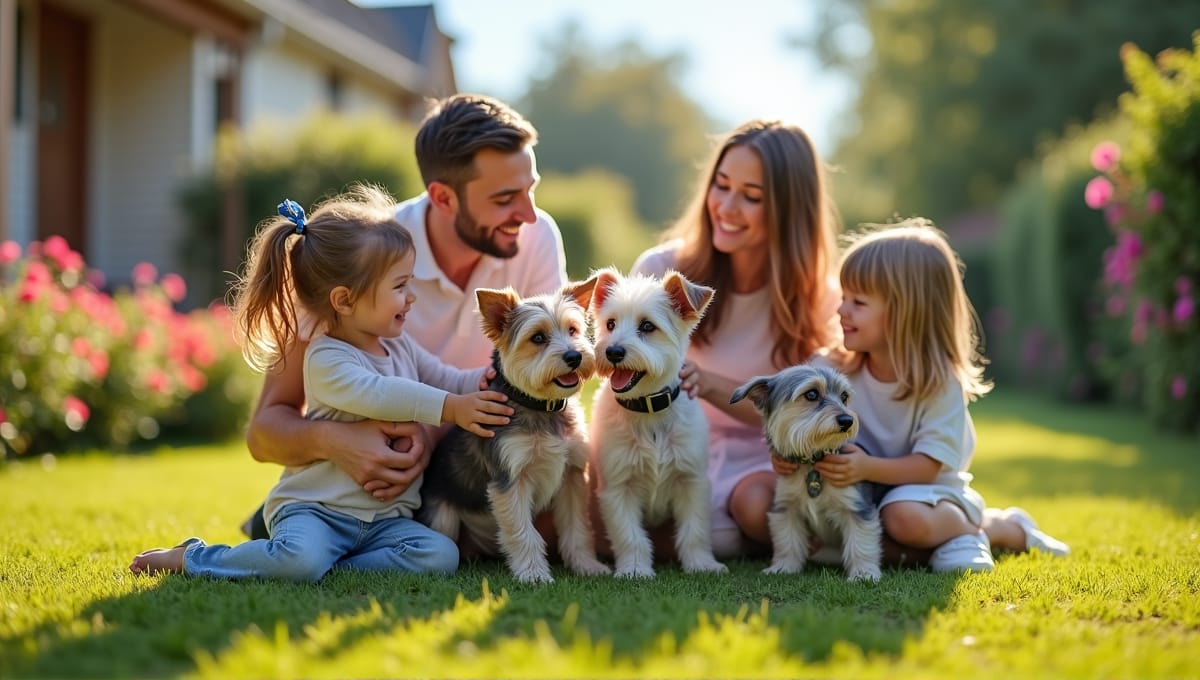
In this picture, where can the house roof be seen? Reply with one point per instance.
(401, 28)
(411, 23)
(355, 33)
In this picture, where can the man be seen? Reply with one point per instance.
(476, 226)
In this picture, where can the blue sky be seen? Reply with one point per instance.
(739, 63)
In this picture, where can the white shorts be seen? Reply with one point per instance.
(964, 497)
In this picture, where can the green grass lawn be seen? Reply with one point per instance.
(1124, 604)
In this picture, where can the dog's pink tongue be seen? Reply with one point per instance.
(568, 379)
(620, 379)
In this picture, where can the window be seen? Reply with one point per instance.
(334, 90)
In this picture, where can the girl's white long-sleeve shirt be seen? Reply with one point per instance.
(343, 383)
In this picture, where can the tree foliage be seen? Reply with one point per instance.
(954, 94)
(622, 110)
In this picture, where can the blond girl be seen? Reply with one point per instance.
(911, 345)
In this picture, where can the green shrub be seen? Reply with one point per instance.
(1047, 317)
(80, 367)
(1150, 193)
(594, 210)
(258, 168)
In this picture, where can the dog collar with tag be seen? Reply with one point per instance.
(652, 403)
(813, 481)
(501, 384)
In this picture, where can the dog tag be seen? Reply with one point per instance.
(814, 483)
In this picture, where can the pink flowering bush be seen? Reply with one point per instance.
(81, 367)
(1149, 193)
(1046, 329)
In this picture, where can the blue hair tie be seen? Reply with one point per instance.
(295, 214)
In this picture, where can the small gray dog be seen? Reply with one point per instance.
(494, 486)
(806, 417)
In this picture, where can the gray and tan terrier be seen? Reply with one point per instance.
(493, 487)
(806, 416)
(650, 441)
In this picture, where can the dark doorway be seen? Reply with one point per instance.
(62, 114)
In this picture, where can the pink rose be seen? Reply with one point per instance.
(9, 252)
(1183, 309)
(1105, 156)
(1098, 193)
(76, 413)
(1154, 202)
(174, 287)
(144, 274)
(1179, 387)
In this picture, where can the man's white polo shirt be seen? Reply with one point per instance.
(445, 318)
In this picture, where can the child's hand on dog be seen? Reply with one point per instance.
(472, 411)
(782, 467)
(488, 376)
(848, 467)
(689, 376)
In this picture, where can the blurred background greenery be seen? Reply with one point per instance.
(980, 116)
(984, 117)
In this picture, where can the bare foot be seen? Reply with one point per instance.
(159, 560)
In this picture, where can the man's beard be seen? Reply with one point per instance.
(480, 237)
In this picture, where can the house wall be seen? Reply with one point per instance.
(142, 141)
(152, 121)
(284, 83)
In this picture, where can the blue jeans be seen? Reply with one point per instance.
(308, 539)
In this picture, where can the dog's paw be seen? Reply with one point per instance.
(634, 571)
(864, 572)
(704, 565)
(784, 568)
(589, 566)
(534, 577)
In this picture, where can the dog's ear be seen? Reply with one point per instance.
(689, 299)
(758, 389)
(606, 279)
(581, 291)
(495, 307)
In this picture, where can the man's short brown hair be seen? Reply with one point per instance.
(457, 127)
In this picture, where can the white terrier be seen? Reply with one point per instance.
(649, 441)
(806, 417)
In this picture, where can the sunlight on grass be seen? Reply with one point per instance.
(719, 646)
(1018, 439)
(374, 641)
(1126, 603)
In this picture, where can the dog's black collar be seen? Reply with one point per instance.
(801, 458)
(652, 403)
(501, 384)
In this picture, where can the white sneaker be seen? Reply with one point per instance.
(1035, 538)
(969, 552)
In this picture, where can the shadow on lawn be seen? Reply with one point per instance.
(161, 632)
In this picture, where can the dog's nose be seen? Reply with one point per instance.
(573, 358)
(845, 422)
(615, 353)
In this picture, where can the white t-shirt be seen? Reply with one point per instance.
(939, 427)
